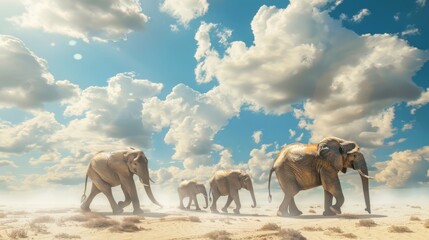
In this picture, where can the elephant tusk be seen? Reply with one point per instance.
(364, 175)
(144, 184)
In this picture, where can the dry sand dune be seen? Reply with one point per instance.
(386, 222)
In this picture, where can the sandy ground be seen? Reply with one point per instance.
(172, 223)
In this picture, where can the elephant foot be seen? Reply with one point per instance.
(182, 207)
(296, 213)
(118, 210)
(280, 214)
(138, 211)
(328, 213)
(214, 211)
(335, 210)
(225, 210)
(198, 209)
(85, 208)
(188, 208)
(236, 211)
(122, 204)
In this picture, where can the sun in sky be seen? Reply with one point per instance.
(202, 85)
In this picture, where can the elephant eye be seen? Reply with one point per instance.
(354, 155)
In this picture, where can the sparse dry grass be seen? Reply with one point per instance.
(335, 229)
(418, 207)
(18, 213)
(39, 228)
(270, 227)
(101, 223)
(311, 211)
(79, 218)
(427, 224)
(414, 218)
(126, 227)
(3, 215)
(218, 235)
(366, 223)
(133, 219)
(17, 233)
(66, 236)
(349, 235)
(399, 229)
(312, 229)
(43, 219)
(194, 219)
(291, 234)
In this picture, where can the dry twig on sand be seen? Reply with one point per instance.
(291, 234)
(270, 227)
(218, 235)
(366, 223)
(399, 229)
(17, 233)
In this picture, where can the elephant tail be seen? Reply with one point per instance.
(84, 191)
(269, 185)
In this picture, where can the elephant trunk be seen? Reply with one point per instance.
(363, 170)
(252, 193)
(207, 201)
(145, 180)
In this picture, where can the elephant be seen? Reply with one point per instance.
(191, 189)
(228, 182)
(110, 169)
(303, 166)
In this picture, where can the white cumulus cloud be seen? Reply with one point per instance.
(404, 168)
(185, 10)
(25, 80)
(257, 136)
(82, 19)
(361, 15)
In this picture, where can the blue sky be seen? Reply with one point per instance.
(201, 85)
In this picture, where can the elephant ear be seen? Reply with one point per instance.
(243, 178)
(132, 155)
(331, 150)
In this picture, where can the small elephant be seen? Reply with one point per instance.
(110, 169)
(303, 166)
(191, 189)
(227, 183)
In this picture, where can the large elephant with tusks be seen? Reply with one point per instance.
(303, 166)
(110, 169)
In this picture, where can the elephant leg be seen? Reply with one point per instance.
(293, 209)
(228, 202)
(328, 204)
(190, 202)
(290, 188)
(181, 200)
(87, 202)
(216, 195)
(236, 199)
(332, 185)
(127, 201)
(107, 190)
(194, 197)
(130, 187)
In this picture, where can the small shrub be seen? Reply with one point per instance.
(101, 223)
(335, 229)
(399, 229)
(270, 227)
(311, 211)
(43, 219)
(17, 233)
(218, 235)
(427, 224)
(366, 223)
(126, 227)
(312, 229)
(66, 236)
(349, 235)
(133, 219)
(414, 218)
(290, 234)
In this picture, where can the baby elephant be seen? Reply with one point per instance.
(191, 189)
(227, 183)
